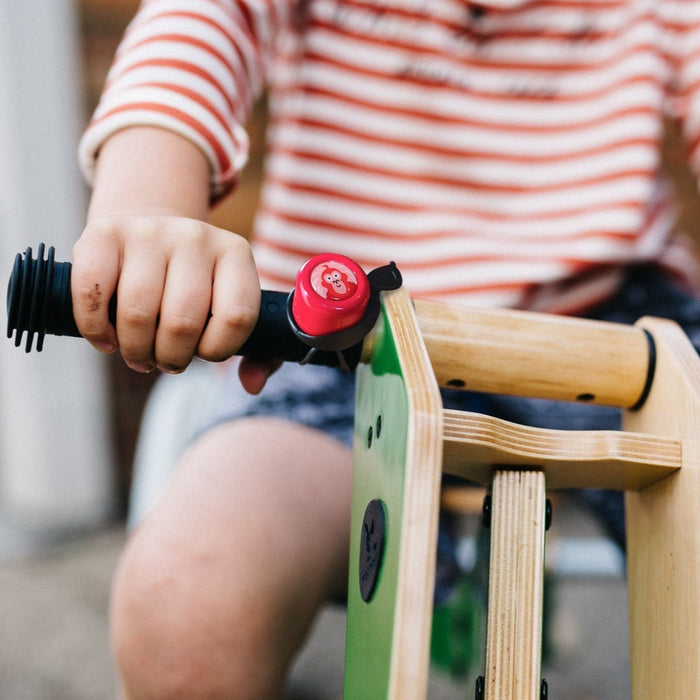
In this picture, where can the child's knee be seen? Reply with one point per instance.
(145, 615)
(171, 641)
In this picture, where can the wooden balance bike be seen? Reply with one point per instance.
(405, 440)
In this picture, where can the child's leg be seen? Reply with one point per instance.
(219, 585)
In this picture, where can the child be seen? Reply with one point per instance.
(504, 153)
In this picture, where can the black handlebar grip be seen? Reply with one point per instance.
(39, 302)
(38, 298)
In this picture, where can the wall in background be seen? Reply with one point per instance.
(55, 443)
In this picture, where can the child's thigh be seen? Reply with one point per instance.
(227, 571)
(265, 498)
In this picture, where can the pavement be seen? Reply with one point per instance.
(54, 630)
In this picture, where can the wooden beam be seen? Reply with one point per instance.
(516, 578)
(474, 443)
(538, 355)
(663, 531)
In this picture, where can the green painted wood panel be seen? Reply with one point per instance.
(384, 449)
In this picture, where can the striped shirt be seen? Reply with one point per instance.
(503, 154)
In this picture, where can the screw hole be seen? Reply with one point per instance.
(378, 429)
(369, 437)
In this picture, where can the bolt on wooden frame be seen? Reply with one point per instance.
(404, 440)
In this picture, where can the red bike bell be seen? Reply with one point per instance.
(330, 295)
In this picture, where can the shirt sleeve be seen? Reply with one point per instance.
(194, 68)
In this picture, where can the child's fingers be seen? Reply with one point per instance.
(139, 296)
(235, 302)
(94, 276)
(182, 287)
(184, 311)
(254, 373)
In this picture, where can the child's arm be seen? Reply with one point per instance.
(147, 238)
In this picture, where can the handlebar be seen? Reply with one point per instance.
(39, 303)
(488, 350)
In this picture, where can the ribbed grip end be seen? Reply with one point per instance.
(39, 299)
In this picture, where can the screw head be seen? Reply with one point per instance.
(372, 542)
(486, 511)
(548, 514)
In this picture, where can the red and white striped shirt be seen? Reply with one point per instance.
(503, 154)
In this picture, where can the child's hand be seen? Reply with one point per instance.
(170, 273)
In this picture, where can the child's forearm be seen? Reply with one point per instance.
(144, 171)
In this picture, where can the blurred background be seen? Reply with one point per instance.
(69, 417)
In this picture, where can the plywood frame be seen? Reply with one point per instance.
(656, 460)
